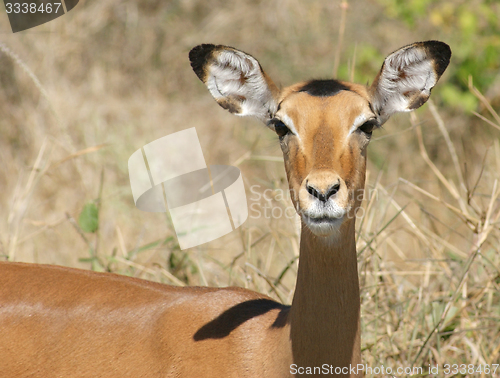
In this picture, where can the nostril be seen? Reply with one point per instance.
(316, 193)
(333, 190)
(313, 191)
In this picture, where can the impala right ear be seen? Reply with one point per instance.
(236, 81)
(407, 77)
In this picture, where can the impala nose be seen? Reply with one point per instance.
(323, 195)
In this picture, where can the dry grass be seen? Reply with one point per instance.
(80, 94)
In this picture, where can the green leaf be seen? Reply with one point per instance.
(89, 218)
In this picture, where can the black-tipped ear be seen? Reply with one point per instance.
(199, 57)
(440, 53)
(407, 77)
(236, 80)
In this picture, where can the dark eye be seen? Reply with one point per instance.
(368, 127)
(280, 128)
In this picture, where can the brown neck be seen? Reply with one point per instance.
(325, 313)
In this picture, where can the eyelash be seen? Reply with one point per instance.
(368, 127)
(280, 128)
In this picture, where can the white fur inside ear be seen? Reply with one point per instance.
(407, 75)
(238, 77)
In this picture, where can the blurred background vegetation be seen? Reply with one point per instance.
(473, 28)
(80, 94)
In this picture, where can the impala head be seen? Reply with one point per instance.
(324, 126)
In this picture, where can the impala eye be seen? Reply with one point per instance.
(368, 127)
(280, 128)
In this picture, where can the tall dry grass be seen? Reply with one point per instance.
(80, 94)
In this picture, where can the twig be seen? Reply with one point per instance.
(480, 238)
(271, 285)
(28, 71)
(20, 205)
(423, 152)
(241, 254)
(407, 218)
(447, 139)
(452, 300)
(73, 222)
(486, 120)
(467, 218)
(484, 100)
(338, 50)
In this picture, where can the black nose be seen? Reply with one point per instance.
(319, 194)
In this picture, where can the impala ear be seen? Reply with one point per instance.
(236, 80)
(407, 77)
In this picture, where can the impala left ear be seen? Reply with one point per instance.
(407, 77)
(236, 80)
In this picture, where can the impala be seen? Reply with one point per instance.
(62, 322)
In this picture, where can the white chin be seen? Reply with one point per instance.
(323, 226)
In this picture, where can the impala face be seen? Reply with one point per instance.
(325, 152)
(324, 126)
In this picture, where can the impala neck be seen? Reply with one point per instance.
(325, 313)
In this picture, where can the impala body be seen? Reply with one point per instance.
(61, 322)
